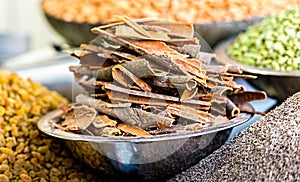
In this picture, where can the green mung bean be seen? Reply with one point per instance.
(273, 43)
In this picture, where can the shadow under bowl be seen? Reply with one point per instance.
(277, 84)
(144, 158)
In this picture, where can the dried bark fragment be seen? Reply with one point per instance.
(241, 98)
(79, 118)
(103, 120)
(154, 95)
(190, 113)
(129, 115)
(184, 82)
(132, 130)
(231, 109)
(188, 94)
(127, 79)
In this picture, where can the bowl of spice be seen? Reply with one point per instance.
(153, 104)
(269, 50)
(26, 153)
(214, 20)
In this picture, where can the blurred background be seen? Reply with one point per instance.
(26, 18)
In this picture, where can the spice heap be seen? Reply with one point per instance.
(191, 11)
(148, 77)
(269, 150)
(25, 153)
(274, 43)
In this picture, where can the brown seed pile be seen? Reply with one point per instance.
(191, 11)
(25, 153)
(269, 150)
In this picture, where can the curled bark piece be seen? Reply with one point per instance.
(79, 118)
(185, 82)
(126, 78)
(140, 68)
(182, 42)
(231, 109)
(103, 120)
(154, 28)
(189, 94)
(154, 95)
(234, 69)
(129, 115)
(93, 85)
(241, 98)
(132, 130)
(214, 68)
(176, 29)
(135, 26)
(192, 66)
(127, 32)
(81, 71)
(79, 53)
(96, 49)
(240, 75)
(124, 97)
(189, 49)
(122, 57)
(220, 90)
(190, 113)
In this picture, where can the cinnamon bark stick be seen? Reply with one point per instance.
(128, 115)
(115, 88)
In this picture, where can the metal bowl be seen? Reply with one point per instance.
(76, 33)
(144, 158)
(277, 84)
(217, 31)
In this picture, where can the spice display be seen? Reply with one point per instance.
(25, 153)
(191, 11)
(148, 77)
(272, 43)
(268, 150)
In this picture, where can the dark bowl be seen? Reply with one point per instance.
(76, 33)
(217, 31)
(144, 158)
(277, 84)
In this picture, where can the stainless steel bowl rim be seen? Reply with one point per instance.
(45, 126)
(222, 57)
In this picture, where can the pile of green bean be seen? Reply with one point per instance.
(274, 43)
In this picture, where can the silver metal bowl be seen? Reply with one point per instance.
(277, 84)
(144, 158)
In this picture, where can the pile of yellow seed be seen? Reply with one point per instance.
(25, 153)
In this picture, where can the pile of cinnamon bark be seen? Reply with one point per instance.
(148, 77)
